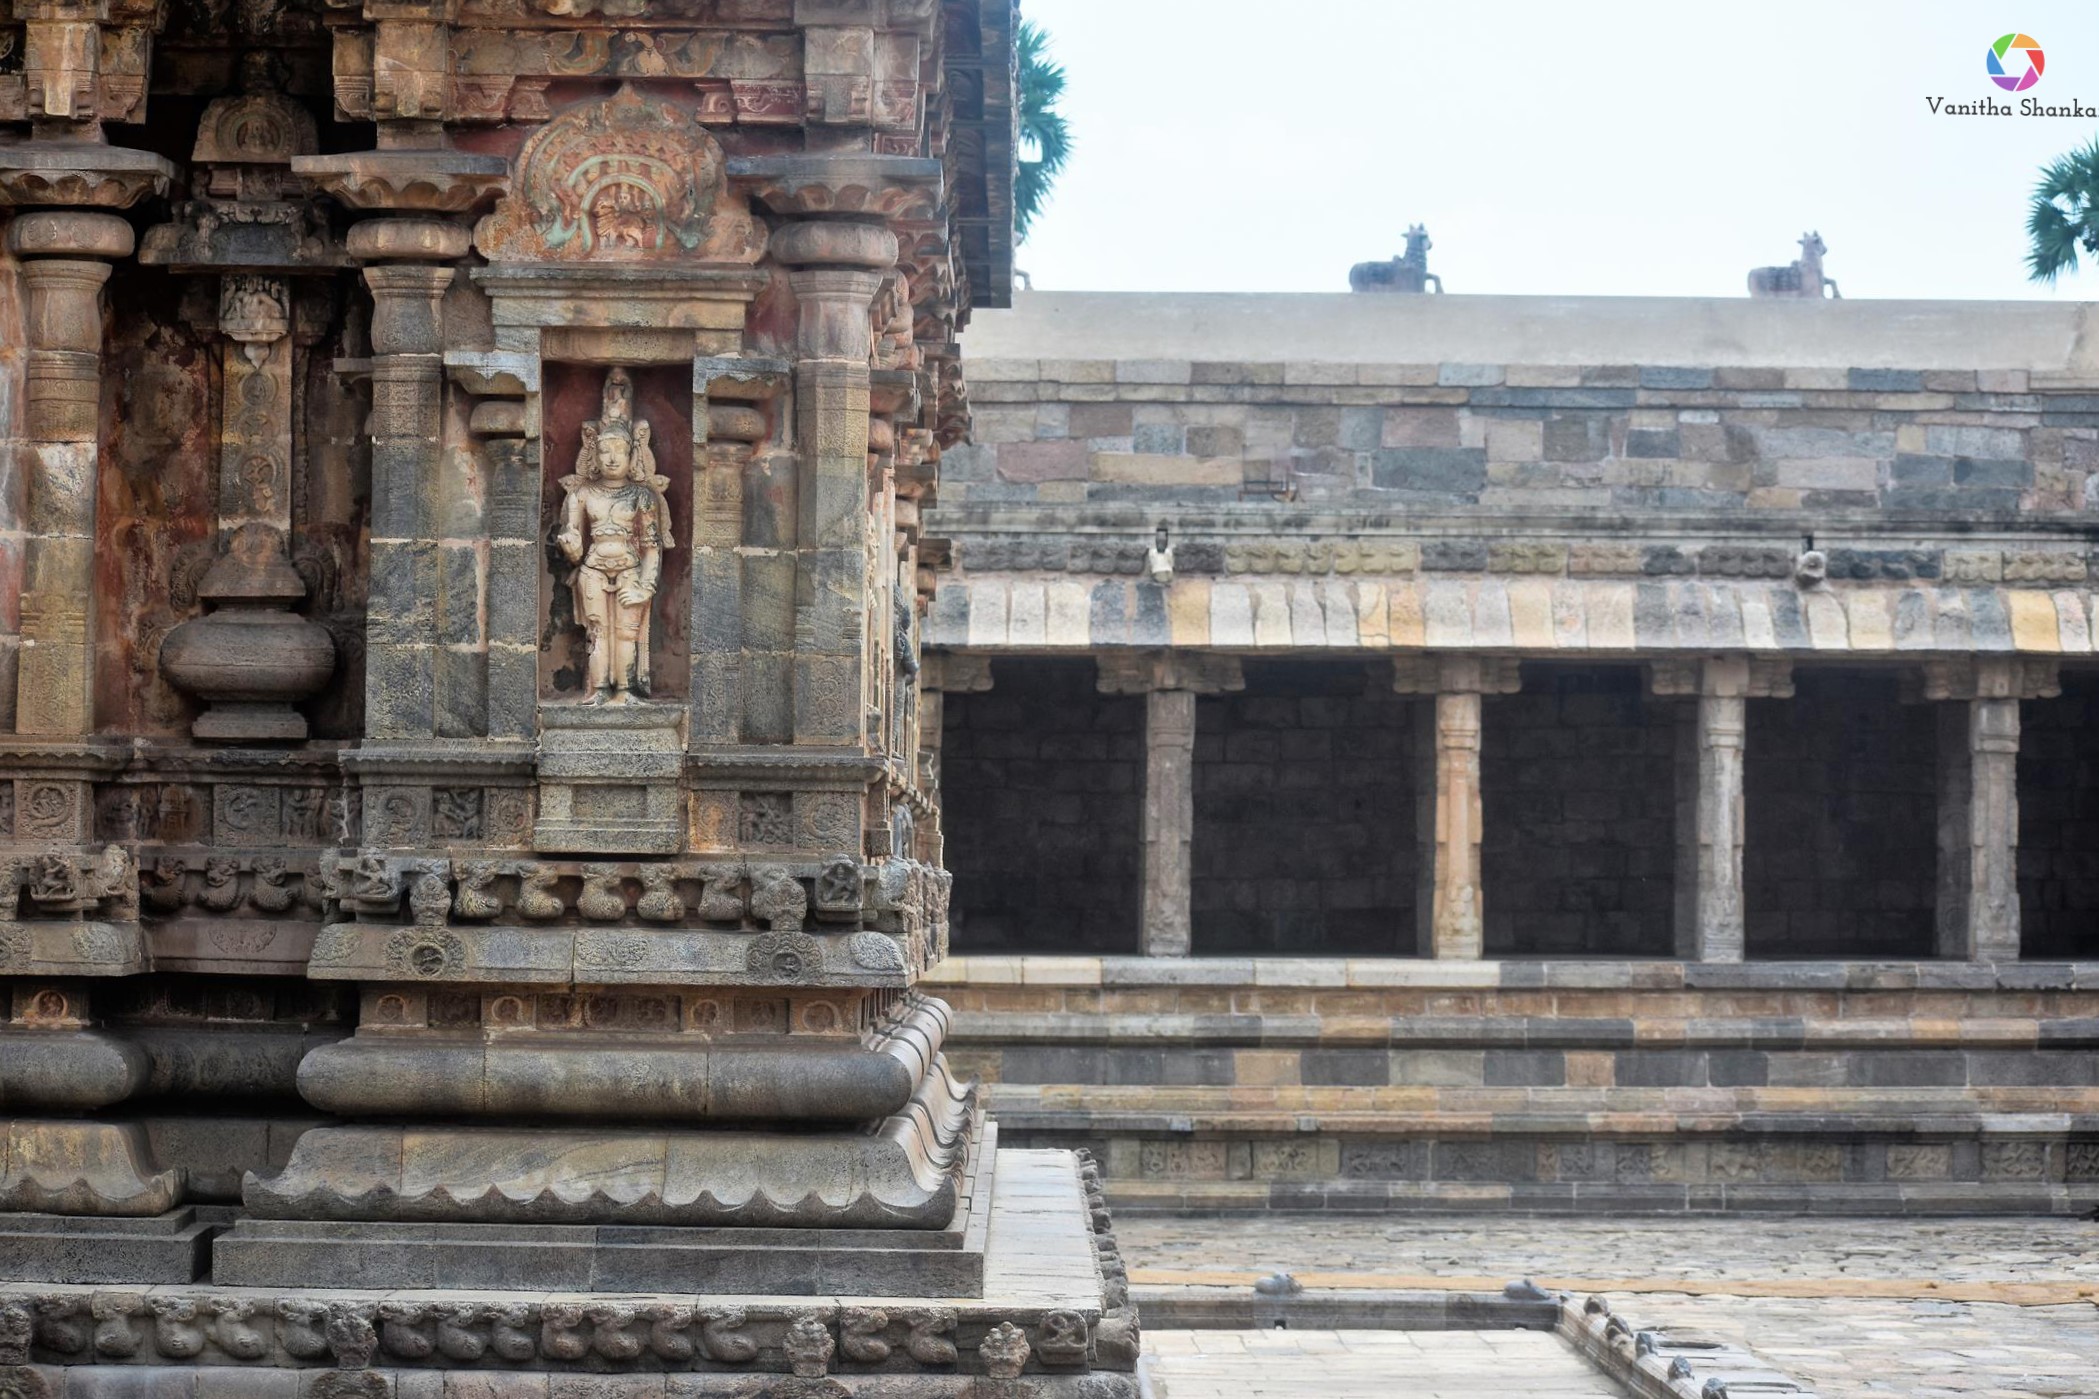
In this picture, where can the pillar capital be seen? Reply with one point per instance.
(1472, 675)
(836, 243)
(76, 173)
(956, 671)
(1726, 677)
(1992, 677)
(407, 239)
(1140, 672)
(69, 233)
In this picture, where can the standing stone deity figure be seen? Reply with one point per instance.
(615, 525)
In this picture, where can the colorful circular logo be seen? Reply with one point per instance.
(2015, 62)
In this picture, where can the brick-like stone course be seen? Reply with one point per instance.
(1043, 778)
(1306, 784)
(2059, 819)
(1646, 436)
(1577, 777)
(1628, 1086)
(1840, 803)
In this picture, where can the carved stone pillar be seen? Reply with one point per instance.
(509, 643)
(63, 273)
(1978, 904)
(1169, 683)
(406, 274)
(838, 268)
(80, 64)
(1451, 826)
(251, 657)
(941, 674)
(1709, 919)
(1167, 927)
(742, 538)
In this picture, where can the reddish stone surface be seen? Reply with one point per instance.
(155, 497)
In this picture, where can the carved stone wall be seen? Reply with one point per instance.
(461, 477)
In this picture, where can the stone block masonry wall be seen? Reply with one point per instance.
(1521, 436)
(1600, 1087)
(2059, 820)
(1839, 857)
(1577, 777)
(1306, 788)
(1044, 780)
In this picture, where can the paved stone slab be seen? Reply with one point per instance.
(1367, 1365)
(1853, 1308)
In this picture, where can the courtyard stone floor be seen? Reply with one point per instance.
(1367, 1365)
(1852, 1307)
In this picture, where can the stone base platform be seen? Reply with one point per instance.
(1053, 1320)
(946, 1262)
(167, 1248)
(1603, 1087)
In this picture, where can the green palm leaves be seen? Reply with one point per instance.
(1043, 130)
(2065, 215)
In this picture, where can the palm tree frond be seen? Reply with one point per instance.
(2064, 215)
(1043, 131)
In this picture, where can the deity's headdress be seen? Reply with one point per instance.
(616, 419)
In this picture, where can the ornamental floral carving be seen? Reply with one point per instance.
(632, 178)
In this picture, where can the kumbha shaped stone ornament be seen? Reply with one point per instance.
(615, 525)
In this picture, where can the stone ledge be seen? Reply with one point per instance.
(1349, 331)
(1028, 970)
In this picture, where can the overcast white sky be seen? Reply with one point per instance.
(1605, 147)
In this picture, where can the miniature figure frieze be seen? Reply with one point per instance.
(615, 525)
(631, 178)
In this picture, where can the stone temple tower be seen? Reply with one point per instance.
(468, 862)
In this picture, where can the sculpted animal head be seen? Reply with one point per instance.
(1417, 240)
(1811, 245)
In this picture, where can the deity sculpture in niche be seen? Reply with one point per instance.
(615, 525)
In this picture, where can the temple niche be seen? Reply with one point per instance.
(618, 517)
(468, 862)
